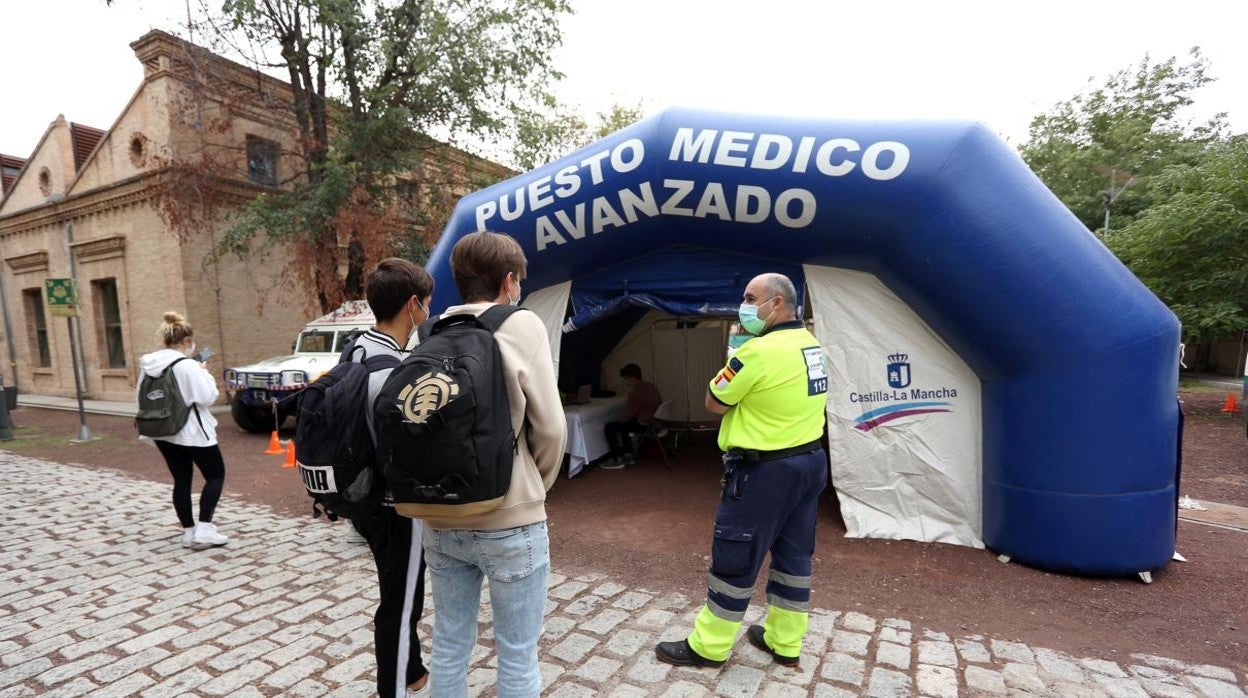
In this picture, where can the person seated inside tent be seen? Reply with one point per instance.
(643, 400)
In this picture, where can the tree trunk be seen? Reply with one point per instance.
(353, 286)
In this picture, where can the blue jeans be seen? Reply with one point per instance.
(517, 562)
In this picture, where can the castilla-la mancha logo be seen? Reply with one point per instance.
(897, 402)
(898, 370)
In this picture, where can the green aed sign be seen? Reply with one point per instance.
(62, 297)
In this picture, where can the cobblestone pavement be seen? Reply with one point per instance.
(97, 597)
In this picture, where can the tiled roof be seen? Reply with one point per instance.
(85, 139)
(9, 167)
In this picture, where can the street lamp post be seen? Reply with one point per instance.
(1110, 195)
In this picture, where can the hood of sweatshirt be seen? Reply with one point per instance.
(155, 363)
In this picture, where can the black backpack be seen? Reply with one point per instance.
(443, 421)
(333, 445)
(162, 409)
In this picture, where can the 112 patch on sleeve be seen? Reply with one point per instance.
(816, 372)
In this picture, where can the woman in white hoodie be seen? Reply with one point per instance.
(196, 443)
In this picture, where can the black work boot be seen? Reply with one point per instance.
(681, 654)
(756, 637)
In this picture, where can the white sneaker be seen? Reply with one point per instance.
(421, 692)
(187, 533)
(206, 536)
(353, 534)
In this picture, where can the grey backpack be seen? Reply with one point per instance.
(162, 410)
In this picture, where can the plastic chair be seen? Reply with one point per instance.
(658, 429)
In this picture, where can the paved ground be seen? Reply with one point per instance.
(97, 597)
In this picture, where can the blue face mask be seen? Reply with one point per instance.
(750, 321)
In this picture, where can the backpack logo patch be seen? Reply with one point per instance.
(427, 395)
(318, 479)
(156, 394)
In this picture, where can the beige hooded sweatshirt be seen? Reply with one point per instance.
(536, 417)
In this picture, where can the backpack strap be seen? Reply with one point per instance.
(173, 363)
(200, 419)
(490, 319)
(494, 316)
(380, 362)
(194, 407)
(349, 351)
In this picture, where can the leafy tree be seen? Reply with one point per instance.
(369, 79)
(617, 118)
(1191, 247)
(1131, 126)
(545, 135)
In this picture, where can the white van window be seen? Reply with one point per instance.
(344, 338)
(316, 342)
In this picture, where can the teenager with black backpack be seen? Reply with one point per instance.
(335, 447)
(471, 436)
(174, 393)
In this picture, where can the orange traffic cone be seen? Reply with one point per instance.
(1230, 407)
(275, 445)
(290, 454)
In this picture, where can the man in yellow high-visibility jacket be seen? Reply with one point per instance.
(773, 394)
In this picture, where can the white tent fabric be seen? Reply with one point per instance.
(690, 357)
(680, 362)
(706, 352)
(551, 305)
(904, 415)
(636, 347)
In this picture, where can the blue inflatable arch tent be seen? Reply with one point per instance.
(1076, 361)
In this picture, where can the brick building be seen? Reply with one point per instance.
(85, 204)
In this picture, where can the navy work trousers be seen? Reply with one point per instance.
(765, 507)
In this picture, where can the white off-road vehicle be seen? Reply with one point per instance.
(260, 394)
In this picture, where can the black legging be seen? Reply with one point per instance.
(211, 466)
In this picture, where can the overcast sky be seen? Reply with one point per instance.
(1000, 62)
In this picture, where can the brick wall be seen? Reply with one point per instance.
(245, 308)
